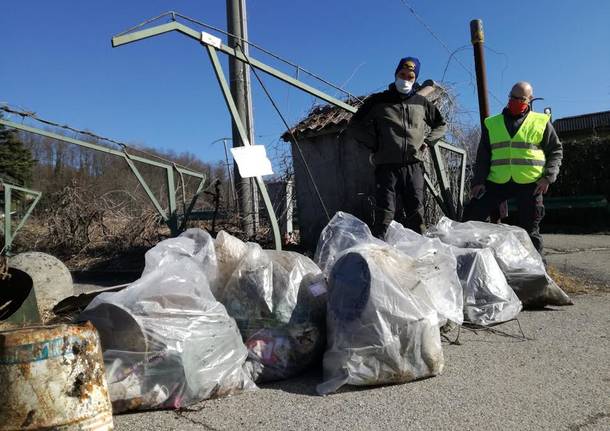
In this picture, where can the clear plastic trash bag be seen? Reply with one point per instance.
(435, 265)
(488, 299)
(342, 232)
(229, 251)
(437, 284)
(379, 331)
(519, 260)
(167, 342)
(278, 299)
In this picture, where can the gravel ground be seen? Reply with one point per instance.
(557, 380)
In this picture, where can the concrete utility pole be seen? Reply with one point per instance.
(477, 38)
(239, 77)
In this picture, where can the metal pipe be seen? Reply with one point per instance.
(477, 38)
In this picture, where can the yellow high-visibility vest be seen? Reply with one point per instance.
(519, 158)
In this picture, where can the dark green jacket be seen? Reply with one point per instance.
(394, 127)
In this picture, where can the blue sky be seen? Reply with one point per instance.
(58, 61)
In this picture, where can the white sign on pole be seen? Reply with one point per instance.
(210, 40)
(252, 161)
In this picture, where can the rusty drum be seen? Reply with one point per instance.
(52, 377)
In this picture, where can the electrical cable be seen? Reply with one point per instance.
(444, 45)
(296, 143)
(455, 51)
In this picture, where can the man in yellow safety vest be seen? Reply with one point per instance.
(519, 156)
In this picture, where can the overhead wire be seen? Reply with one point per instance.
(444, 45)
(489, 48)
(455, 51)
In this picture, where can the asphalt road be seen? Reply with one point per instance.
(583, 256)
(558, 379)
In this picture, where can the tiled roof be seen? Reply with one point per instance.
(325, 116)
(595, 120)
(321, 117)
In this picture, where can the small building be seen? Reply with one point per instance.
(339, 167)
(583, 126)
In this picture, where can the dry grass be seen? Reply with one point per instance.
(570, 284)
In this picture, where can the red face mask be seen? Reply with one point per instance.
(517, 107)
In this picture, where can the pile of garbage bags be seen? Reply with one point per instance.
(210, 317)
(487, 297)
(278, 299)
(382, 323)
(519, 260)
(167, 341)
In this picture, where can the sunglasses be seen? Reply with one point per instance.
(521, 99)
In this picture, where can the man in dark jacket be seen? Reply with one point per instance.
(519, 157)
(392, 124)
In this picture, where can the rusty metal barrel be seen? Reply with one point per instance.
(52, 377)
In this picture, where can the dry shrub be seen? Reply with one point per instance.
(84, 230)
(70, 219)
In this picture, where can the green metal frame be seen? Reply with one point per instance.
(443, 198)
(197, 35)
(171, 217)
(226, 92)
(7, 226)
(452, 209)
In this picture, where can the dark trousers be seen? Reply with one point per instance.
(406, 183)
(530, 207)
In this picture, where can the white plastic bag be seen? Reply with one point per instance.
(435, 265)
(378, 330)
(521, 263)
(438, 283)
(488, 299)
(167, 342)
(342, 232)
(278, 299)
(229, 251)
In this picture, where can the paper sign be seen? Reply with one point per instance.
(252, 161)
(210, 40)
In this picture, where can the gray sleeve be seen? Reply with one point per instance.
(553, 152)
(482, 166)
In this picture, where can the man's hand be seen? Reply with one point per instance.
(542, 186)
(477, 191)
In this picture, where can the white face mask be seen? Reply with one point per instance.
(403, 86)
